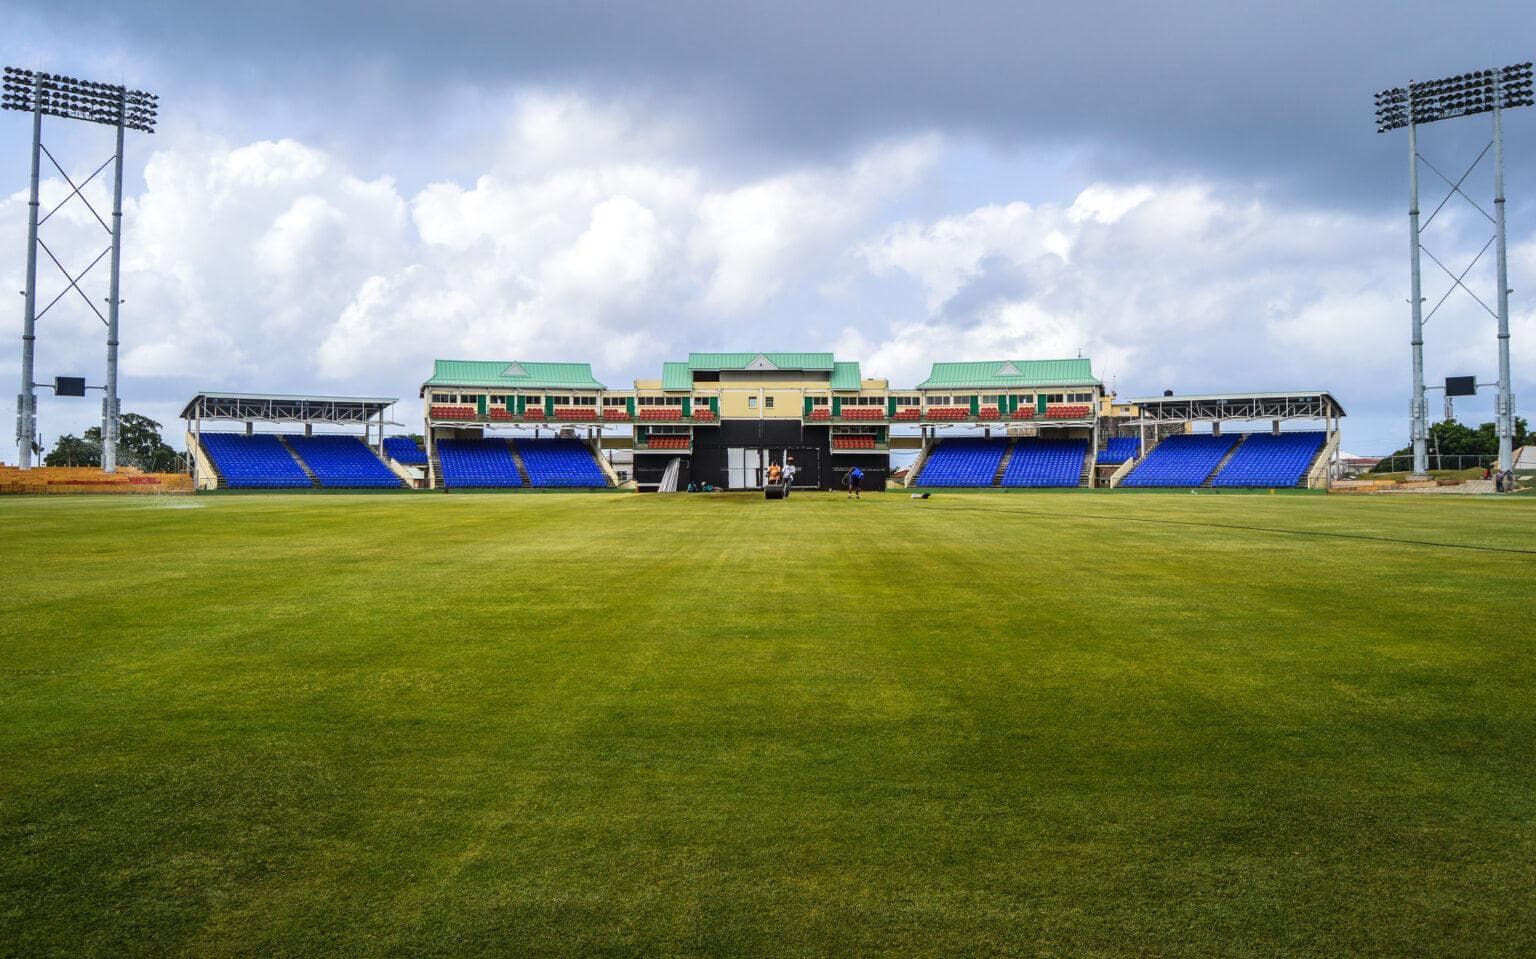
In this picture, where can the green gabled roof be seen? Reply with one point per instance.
(845, 376)
(514, 374)
(821, 362)
(676, 376)
(1025, 373)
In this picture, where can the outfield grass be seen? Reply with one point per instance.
(713, 725)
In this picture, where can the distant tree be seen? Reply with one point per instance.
(1452, 438)
(71, 450)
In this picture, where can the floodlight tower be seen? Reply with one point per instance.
(49, 94)
(1481, 91)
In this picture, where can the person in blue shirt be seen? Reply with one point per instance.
(855, 483)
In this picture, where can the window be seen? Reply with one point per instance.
(938, 401)
(819, 401)
(498, 400)
(1080, 398)
(751, 402)
(992, 399)
(561, 400)
(1027, 398)
(768, 402)
(907, 401)
(585, 401)
(1054, 397)
(442, 397)
(613, 401)
(534, 400)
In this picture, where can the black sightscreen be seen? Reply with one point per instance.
(1461, 386)
(69, 386)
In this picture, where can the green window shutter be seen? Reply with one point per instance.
(1039, 404)
(510, 403)
(807, 413)
(837, 406)
(549, 406)
(1013, 403)
(890, 406)
(522, 402)
(714, 405)
(975, 406)
(480, 404)
(629, 405)
(687, 406)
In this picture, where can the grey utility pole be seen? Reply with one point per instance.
(71, 98)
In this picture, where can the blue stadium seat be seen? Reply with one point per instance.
(1184, 459)
(405, 451)
(560, 463)
(1118, 450)
(477, 464)
(259, 461)
(1271, 460)
(1040, 463)
(968, 461)
(343, 462)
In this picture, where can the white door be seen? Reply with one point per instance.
(743, 468)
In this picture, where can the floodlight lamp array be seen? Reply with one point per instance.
(1462, 95)
(74, 99)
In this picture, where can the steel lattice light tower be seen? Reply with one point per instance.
(48, 94)
(1481, 91)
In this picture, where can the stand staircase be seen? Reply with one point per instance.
(522, 471)
(1002, 464)
(1224, 461)
(313, 480)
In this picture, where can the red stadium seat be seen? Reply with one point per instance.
(820, 414)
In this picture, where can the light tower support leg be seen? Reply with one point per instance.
(1419, 428)
(26, 400)
(1504, 412)
(109, 407)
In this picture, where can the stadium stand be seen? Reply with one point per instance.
(820, 414)
(1077, 412)
(471, 464)
(667, 442)
(863, 413)
(989, 413)
(1271, 460)
(969, 461)
(1045, 463)
(616, 414)
(908, 413)
(405, 451)
(654, 413)
(575, 413)
(560, 463)
(443, 412)
(343, 462)
(704, 416)
(1184, 459)
(1118, 450)
(949, 413)
(259, 461)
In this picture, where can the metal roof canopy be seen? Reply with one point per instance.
(286, 408)
(1022, 374)
(512, 375)
(1277, 405)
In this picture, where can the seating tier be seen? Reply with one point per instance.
(259, 461)
(477, 464)
(1038, 463)
(1271, 460)
(963, 462)
(557, 463)
(1184, 459)
(405, 451)
(1118, 450)
(343, 462)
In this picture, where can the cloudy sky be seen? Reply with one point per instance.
(1192, 194)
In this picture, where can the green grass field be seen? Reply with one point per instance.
(715, 726)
